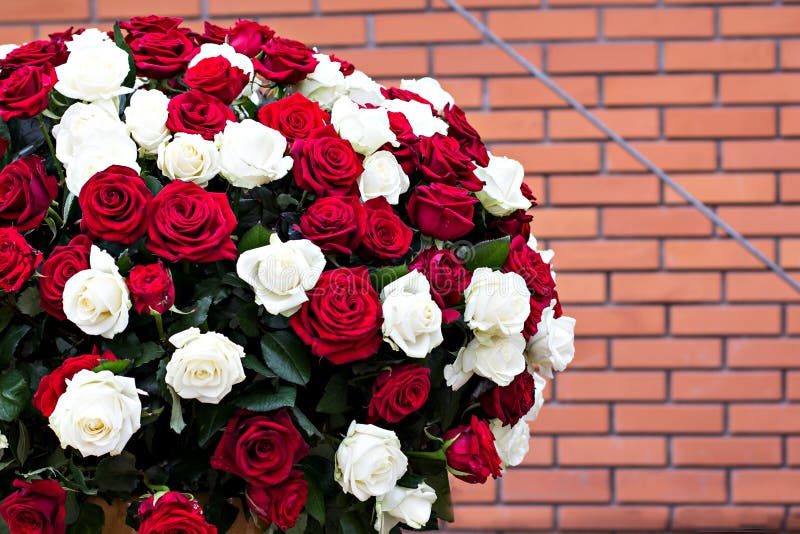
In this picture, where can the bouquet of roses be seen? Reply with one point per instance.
(240, 276)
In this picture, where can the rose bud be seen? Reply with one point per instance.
(151, 288)
(473, 452)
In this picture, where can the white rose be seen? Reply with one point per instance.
(419, 116)
(430, 90)
(496, 303)
(98, 155)
(94, 72)
(3, 438)
(146, 119)
(552, 348)
(326, 84)
(383, 176)
(539, 384)
(189, 158)
(547, 254)
(98, 413)
(412, 322)
(97, 299)
(88, 38)
(252, 154)
(512, 442)
(366, 129)
(412, 506)
(209, 50)
(84, 124)
(498, 358)
(7, 49)
(281, 273)
(369, 461)
(205, 366)
(362, 89)
(501, 194)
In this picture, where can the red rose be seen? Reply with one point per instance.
(529, 264)
(518, 223)
(447, 276)
(161, 55)
(395, 93)
(294, 116)
(18, 260)
(33, 54)
(26, 191)
(334, 224)
(173, 512)
(442, 161)
(114, 205)
(386, 237)
(342, 319)
(345, 67)
(325, 164)
(398, 392)
(187, 223)
(531, 325)
(52, 386)
(442, 211)
(260, 448)
(217, 77)
(512, 402)
(468, 138)
(279, 504)
(150, 24)
(247, 37)
(198, 113)
(66, 35)
(3, 146)
(407, 153)
(25, 92)
(285, 61)
(151, 288)
(473, 452)
(64, 261)
(212, 33)
(37, 507)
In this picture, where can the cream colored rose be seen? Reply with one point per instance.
(189, 158)
(83, 124)
(366, 129)
(326, 84)
(97, 155)
(383, 176)
(146, 119)
(281, 273)
(362, 89)
(252, 154)
(419, 116)
(539, 385)
(369, 461)
(98, 413)
(498, 358)
(552, 348)
(430, 90)
(204, 366)
(496, 303)
(501, 194)
(512, 442)
(95, 70)
(412, 506)
(97, 299)
(412, 322)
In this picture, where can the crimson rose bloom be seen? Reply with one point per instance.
(198, 113)
(528, 263)
(473, 452)
(386, 237)
(442, 211)
(442, 161)
(33, 54)
(334, 224)
(512, 402)
(247, 37)
(294, 116)
(342, 319)
(395, 93)
(25, 193)
(518, 223)
(468, 137)
(447, 276)
(150, 24)
(212, 33)
(285, 61)
(345, 67)
(25, 92)
(52, 386)
(64, 261)
(217, 77)
(161, 55)
(151, 288)
(18, 260)
(65, 35)
(260, 448)
(280, 504)
(174, 512)
(187, 223)
(325, 164)
(398, 392)
(37, 507)
(407, 153)
(114, 205)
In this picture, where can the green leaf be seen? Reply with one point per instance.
(10, 340)
(299, 525)
(490, 254)
(14, 395)
(117, 473)
(23, 444)
(380, 278)
(90, 520)
(288, 356)
(353, 523)
(4, 527)
(115, 366)
(28, 302)
(334, 399)
(257, 236)
(212, 418)
(255, 364)
(194, 318)
(6, 314)
(130, 79)
(315, 503)
(176, 422)
(248, 319)
(152, 183)
(266, 402)
(305, 423)
(148, 352)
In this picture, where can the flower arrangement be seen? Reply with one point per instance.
(236, 268)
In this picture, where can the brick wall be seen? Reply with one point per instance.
(681, 410)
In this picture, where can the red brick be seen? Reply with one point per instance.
(113, 9)
(659, 90)
(571, 419)
(773, 154)
(735, 518)
(665, 287)
(413, 28)
(388, 61)
(367, 6)
(726, 386)
(16, 34)
(719, 56)
(610, 385)
(473, 493)
(670, 486)
(666, 353)
(518, 92)
(441, 4)
(629, 123)
(565, 222)
(608, 518)
(790, 253)
(764, 418)
(659, 419)
(584, 255)
(630, 23)
(505, 517)
(611, 450)
(508, 125)
(793, 451)
(752, 353)
(541, 451)
(768, 486)
(544, 25)
(317, 31)
(769, 221)
(658, 222)
(793, 385)
(726, 451)
(669, 156)
(479, 59)
(595, 190)
(790, 122)
(768, 21)
(604, 57)
(719, 122)
(728, 188)
(582, 288)
(771, 288)
(556, 485)
(775, 88)
(553, 158)
(561, 3)
(714, 254)
(792, 320)
(735, 320)
(591, 353)
(618, 320)
(43, 10)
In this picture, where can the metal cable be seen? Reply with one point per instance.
(638, 156)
